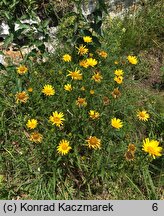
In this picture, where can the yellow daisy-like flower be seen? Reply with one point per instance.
(116, 62)
(90, 54)
(32, 123)
(93, 114)
(36, 137)
(103, 54)
(132, 59)
(91, 62)
(118, 79)
(93, 142)
(83, 63)
(63, 147)
(152, 147)
(129, 155)
(131, 147)
(67, 58)
(116, 93)
(76, 75)
(92, 91)
(21, 97)
(82, 50)
(116, 123)
(57, 118)
(97, 77)
(87, 39)
(68, 87)
(106, 101)
(48, 90)
(30, 89)
(81, 102)
(143, 115)
(118, 72)
(22, 69)
(82, 88)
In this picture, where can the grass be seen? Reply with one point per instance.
(30, 170)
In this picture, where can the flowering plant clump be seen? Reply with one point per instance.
(77, 119)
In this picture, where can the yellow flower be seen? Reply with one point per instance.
(118, 79)
(92, 91)
(83, 63)
(131, 147)
(32, 123)
(106, 101)
(22, 97)
(81, 102)
(48, 90)
(76, 75)
(97, 77)
(67, 58)
(118, 72)
(116, 93)
(82, 88)
(91, 62)
(143, 115)
(93, 142)
(116, 62)
(87, 39)
(63, 147)
(132, 59)
(129, 156)
(82, 50)
(152, 147)
(57, 118)
(22, 69)
(68, 87)
(116, 123)
(93, 114)
(103, 54)
(36, 137)
(30, 89)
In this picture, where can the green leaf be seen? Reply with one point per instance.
(8, 40)
(7, 14)
(22, 26)
(45, 23)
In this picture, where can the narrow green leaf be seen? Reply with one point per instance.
(8, 40)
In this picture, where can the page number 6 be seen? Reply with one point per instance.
(155, 207)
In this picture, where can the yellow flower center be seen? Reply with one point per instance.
(64, 147)
(22, 69)
(93, 141)
(81, 100)
(56, 119)
(151, 150)
(21, 96)
(48, 91)
(142, 114)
